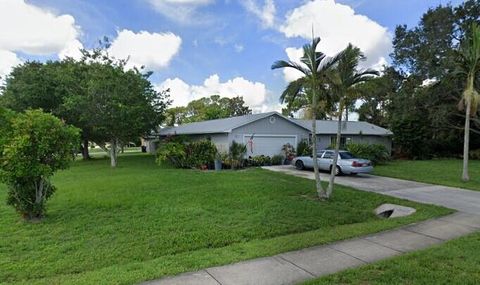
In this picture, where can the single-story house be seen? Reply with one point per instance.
(266, 133)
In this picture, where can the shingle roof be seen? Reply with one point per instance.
(228, 124)
(214, 126)
(348, 128)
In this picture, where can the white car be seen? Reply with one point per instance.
(347, 163)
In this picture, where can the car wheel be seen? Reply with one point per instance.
(299, 165)
(338, 171)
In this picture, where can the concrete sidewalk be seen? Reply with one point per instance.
(297, 266)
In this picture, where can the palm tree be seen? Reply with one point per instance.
(343, 80)
(313, 66)
(469, 66)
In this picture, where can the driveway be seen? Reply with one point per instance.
(459, 199)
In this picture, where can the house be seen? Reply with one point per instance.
(266, 133)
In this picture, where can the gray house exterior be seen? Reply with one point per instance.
(266, 133)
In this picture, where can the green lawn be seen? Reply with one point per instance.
(438, 171)
(141, 221)
(456, 262)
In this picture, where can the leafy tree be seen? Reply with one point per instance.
(313, 66)
(120, 105)
(207, 108)
(469, 66)
(75, 92)
(343, 79)
(52, 87)
(421, 91)
(33, 146)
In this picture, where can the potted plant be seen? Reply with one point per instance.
(289, 152)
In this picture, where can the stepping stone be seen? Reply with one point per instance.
(441, 229)
(322, 260)
(364, 250)
(403, 240)
(265, 271)
(195, 278)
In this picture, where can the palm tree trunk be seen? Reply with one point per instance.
(318, 183)
(337, 150)
(466, 139)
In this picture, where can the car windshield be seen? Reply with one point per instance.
(346, 155)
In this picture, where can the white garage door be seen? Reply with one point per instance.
(268, 144)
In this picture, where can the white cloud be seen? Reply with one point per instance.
(152, 50)
(72, 49)
(181, 11)
(238, 47)
(8, 60)
(32, 30)
(294, 55)
(266, 13)
(338, 25)
(254, 93)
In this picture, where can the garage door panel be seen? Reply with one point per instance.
(268, 145)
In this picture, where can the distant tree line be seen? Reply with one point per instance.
(207, 108)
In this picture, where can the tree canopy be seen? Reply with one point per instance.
(418, 96)
(97, 94)
(207, 108)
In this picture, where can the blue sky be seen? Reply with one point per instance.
(200, 47)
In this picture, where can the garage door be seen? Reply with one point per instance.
(268, 144)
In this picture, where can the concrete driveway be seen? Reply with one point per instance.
(459, 199)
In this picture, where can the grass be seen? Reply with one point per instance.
(456, 262)
(438, 171)
(141, 221)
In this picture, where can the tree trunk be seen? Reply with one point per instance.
(335, 158)
(466, 139)
(113, 153)
(318, 183)
(85, 152)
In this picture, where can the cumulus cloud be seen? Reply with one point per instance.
(152, 50)
(265, 13)
(254, 93)
(32, 30)
(72, 49)
(337, 25)
(181, 11)
(8, 60)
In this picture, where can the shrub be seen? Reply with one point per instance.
(33, 146)
(173, 153)
(237, 153)
(260, 160)
(277, 159)
(201, 153)
(377, 153)
(475, 154)
(196, 154)
(304, 148)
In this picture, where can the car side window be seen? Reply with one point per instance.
(329, 154)
(319, 154)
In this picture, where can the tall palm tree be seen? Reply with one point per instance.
(313, 65)
(297, 97)
(343, 79)
(469, 66)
